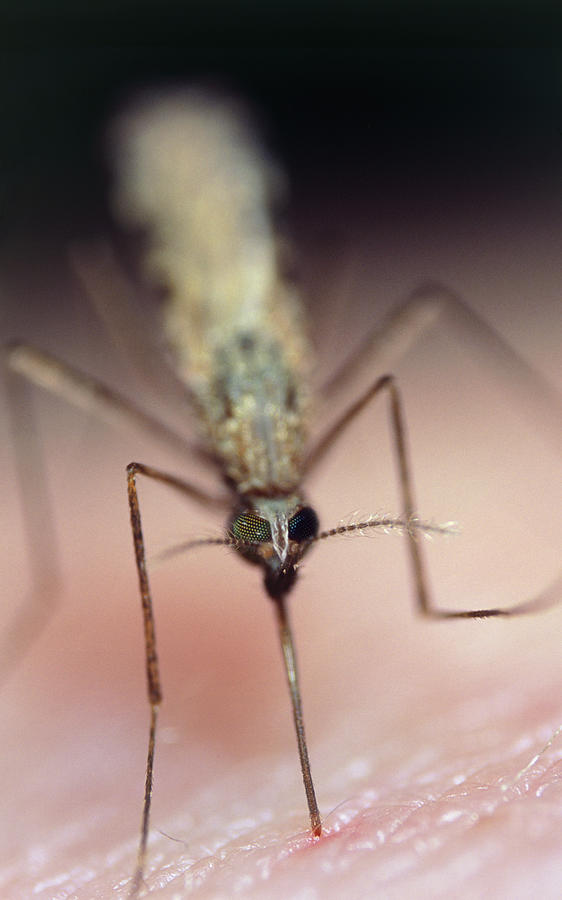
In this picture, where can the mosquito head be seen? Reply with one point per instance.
(275, 533)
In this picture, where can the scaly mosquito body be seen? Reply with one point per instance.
(235, 326)
(236, 331)
(192, 175)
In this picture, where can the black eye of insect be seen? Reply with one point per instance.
(303, 525)
(251, 529)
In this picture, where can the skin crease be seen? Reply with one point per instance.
(412, 726)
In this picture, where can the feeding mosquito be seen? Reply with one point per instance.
(238, 337)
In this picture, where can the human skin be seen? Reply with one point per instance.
(414, 727)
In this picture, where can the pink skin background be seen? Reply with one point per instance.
(413, 726)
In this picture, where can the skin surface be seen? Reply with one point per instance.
(413, 727)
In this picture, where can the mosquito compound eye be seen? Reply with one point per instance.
(251, 529)
(303, 525)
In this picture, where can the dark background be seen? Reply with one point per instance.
(418, 145)
(392, 102)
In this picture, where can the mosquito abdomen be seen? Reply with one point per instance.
(193, 175)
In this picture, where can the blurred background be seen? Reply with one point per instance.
(421, 162)
(405, 164)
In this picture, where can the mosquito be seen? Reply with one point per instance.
(193, 175)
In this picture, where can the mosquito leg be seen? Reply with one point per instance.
(85, 392)
(115, 300)
(23, 365)
(332, 434)
(185, 487)
(40, 538)
(549, 597)
(434, 305)
(289, 657)
(392, 337)
(152, 668)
